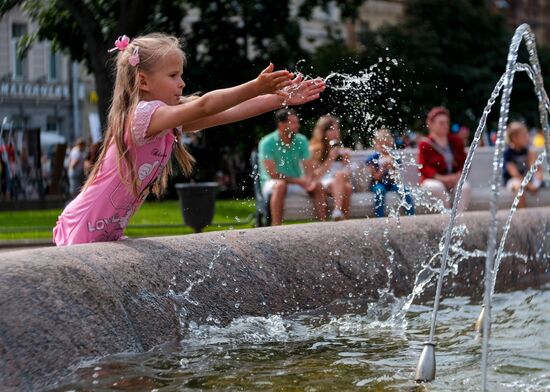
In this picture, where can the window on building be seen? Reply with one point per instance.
(18, 122)
(53, 69)
(18, 30)
(52, 124)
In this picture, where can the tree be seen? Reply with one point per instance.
(229, 43)
(87, 29)
(451, 53)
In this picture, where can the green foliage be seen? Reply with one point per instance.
(29, 225)
(451, 54)
(86, 29)
(444, 61)
(231, 42)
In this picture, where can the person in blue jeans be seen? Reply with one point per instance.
(381, 164)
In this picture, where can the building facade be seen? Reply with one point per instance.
(42, 90)
(325, 24)
(43, 102)
(534, 12)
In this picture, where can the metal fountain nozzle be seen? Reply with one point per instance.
(425, 370)
(480, 320)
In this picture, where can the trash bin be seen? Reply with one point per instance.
(197, 201)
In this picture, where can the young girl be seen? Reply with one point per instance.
(144, 122)
(518, 159)
(382, 166)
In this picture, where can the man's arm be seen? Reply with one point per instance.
(309, 173)
(274, 174)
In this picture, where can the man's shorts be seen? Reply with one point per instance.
(267, 189)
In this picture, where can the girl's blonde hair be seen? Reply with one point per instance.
(126, 96)
(513, 129)
(319, 141)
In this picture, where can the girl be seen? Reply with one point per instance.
(144, 122)
(331, 164)
(382, 167)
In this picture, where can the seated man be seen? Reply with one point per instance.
(285, 167)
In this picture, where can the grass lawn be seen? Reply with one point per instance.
(37, 225)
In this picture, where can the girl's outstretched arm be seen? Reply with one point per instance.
(299, 92)
(268, 82)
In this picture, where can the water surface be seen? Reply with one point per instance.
(376, 351)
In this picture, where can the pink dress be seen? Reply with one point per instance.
(103, 210)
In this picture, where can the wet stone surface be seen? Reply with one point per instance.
(60, 306)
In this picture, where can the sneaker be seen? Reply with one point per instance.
(337, 215)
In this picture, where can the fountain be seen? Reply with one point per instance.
(426, 365)
(327, 296)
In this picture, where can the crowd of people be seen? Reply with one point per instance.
(321, 167)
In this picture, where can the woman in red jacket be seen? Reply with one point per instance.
(441, 158)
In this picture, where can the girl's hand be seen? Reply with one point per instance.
(300, 92)
(269, 82)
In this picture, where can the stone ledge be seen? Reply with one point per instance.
(59, 306)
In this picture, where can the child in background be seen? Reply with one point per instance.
(146, 118)
(518, 159)
(382, 166)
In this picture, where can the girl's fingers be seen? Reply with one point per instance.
(298, 78)
(281, 93)
(283, 84)
(280, 74)
(268, 69)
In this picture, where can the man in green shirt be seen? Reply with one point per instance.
(285, 167)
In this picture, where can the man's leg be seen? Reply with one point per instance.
(277, 203)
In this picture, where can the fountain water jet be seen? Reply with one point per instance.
(426, 366)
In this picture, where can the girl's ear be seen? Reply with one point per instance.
(143, 82)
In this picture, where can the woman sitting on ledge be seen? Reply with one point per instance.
(441, 158)
(331, 164)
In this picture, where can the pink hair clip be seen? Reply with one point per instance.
(134, 57)
(121, 43)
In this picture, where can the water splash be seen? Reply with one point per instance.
(354, 95)
(182, 299)
(503, 87)
(524, 183)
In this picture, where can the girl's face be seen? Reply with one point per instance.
(165, 83)
(333, 133)
(440, 125)
(383, 145)
(521, 139)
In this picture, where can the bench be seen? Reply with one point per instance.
(298, 207)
